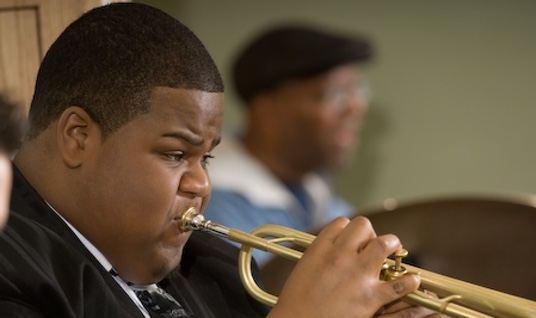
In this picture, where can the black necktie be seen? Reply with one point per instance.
(158, 301)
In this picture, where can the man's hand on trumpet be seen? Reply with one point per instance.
(338, 276)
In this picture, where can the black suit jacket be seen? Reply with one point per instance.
(45, 271)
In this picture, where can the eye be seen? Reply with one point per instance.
(206, 159)
(174, 156)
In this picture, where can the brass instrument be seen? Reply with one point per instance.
(455, 298)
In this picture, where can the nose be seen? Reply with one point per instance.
(195, 181)
(361, 95)
(358, 104)
(353, 105)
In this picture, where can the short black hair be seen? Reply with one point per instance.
(291, 51)
(110, 59)
(12, 124)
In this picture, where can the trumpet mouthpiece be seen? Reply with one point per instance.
(191, 220)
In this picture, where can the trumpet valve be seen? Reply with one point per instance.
(394, 271)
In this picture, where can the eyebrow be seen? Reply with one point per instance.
(196, 141)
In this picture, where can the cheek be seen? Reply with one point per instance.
(148, 188)
(316, 127)
(134, 188)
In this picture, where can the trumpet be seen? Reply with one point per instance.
(453, 297)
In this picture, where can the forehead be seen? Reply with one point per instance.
(192, 111)
(167, 103)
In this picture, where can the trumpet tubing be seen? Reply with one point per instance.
(454, 297)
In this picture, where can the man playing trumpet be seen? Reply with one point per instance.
(128, 106)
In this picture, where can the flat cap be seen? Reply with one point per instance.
(293, 51)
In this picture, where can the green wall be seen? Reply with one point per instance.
(454, 88)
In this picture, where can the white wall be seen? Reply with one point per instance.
(454, 105)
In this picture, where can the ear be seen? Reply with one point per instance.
(75, 130)
(265, 110)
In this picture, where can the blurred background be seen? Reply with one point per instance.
(453, 106)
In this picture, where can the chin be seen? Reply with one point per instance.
(170, 266)
(169, 256)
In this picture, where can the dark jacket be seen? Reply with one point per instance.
(45, 271)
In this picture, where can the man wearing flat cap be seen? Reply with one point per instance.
(304, 103)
